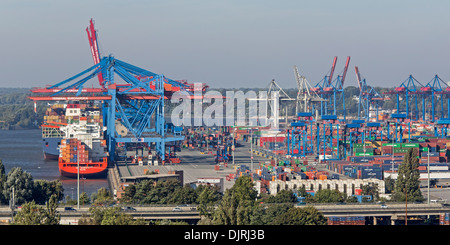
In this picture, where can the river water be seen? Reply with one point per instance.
(23, 148)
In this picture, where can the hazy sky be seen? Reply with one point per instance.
(230, 43)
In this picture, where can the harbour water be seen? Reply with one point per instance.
(23, 148)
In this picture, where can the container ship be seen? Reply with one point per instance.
(73, 135)
(83, 147)
(74, 154)
(51, 139)
(59, 115)
(54, 118)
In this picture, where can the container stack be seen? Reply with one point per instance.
(350, 220)
(360, 149)
(357, 170)
(444, 219)
(55, 113)
(73, 150)
(58, 113)
(287, 170)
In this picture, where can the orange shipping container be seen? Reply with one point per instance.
(322, 177)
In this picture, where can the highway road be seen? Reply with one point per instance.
(148, 213)
(186, 212)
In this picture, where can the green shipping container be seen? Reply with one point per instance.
(400, 150)
(364, 154)
(392, 144)
(411, 145)
(359, 150)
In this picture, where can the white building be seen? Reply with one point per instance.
(346, 186)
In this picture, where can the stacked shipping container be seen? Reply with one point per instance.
(349, 220)
(73, 150)
(444, 219)
(57, 113)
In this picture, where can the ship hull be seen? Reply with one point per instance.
(48, 156)
(50, 148)
(87, 170)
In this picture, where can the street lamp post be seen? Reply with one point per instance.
(234, 147)
(251, 149)
(428, 169)
(78, 179)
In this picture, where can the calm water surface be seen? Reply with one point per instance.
(23, 148)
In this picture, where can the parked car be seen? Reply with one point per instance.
(128, 208)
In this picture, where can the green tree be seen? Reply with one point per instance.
(183, 195)
(236, 207)
(351, 199)
(21, 182)
(52, 216)
(44, 189)
(129, 194)
(114, 216)
(30, 214)
(3, 198)
(266, 214)
(33, 214)
(225, 214)
(389, 185)
(407, 183)
(300, 216)
(102, 196)
(327, 196)
(371, 189)
(244, 189)
(70, 201)
(207, 197)
(283, 196)
(164, 190)
(84, 198)
(160, 192)
(107, 216)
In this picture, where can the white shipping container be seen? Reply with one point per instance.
(424, 175)
(443, 168)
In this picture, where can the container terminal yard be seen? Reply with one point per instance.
(121, 131)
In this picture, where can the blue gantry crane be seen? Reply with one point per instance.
(133, 111)
(136, 107)
(432, 90)
(367, 96)
(410, 88)
(299, 138)
(329, 89)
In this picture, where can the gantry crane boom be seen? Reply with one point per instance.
(93, 43)
(330, 79)
(345, 72)
(358, 78)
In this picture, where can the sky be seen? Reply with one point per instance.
(228, 44)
